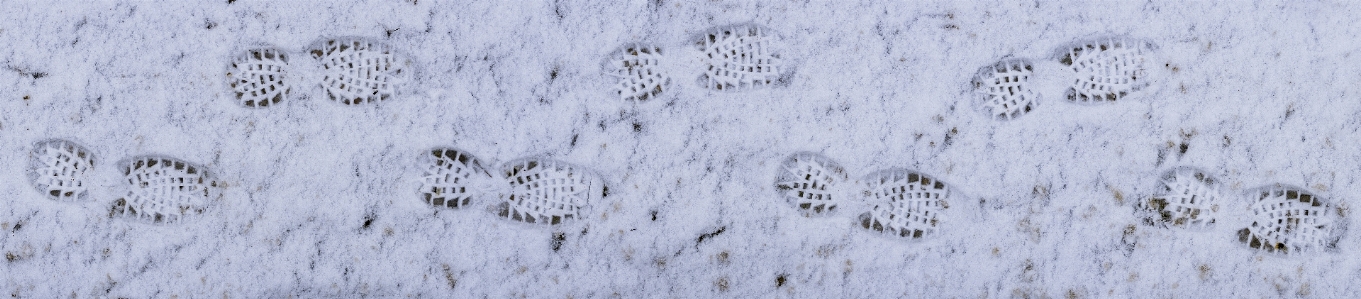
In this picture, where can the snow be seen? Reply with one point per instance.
(321, 199)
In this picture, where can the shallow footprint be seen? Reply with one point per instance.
(452, 178)
(908, 204)
(547, 191)
(1287, 219)
(639, 71)
(813, 183)
(60, 169)
(164, 190)
(1005, 89)
(741, 57)
(1189, 198)
(259, 77)
(1106, 69)
(356, 71)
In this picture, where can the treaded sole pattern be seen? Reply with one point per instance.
(547, 191)
(357, 71)
(1005, 89)
(451, 178)
(639, 73)
(60, 169)
(809, 182)
(1189, 198)
(163, 190)
(1287, 219)
(259, 77)
(740, 57)
(909, 203)
(1106, 69)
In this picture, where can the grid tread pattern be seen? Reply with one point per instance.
(909, 206)
(1106, 69)
(639, 73)
(808, 181)
(450, 178)
(1287, 219)
(1189, 198)
(546, 191)
(60, 169)
(357, 71)
(259, 77)
(740, 57)
(1005, 89)
(163, 190)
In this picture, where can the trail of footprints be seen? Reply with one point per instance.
(1101, 70)
(734, 58)
(1284, 219)
(351, 71)
(159, 189)
(909, 204)
(530, 190)
(893, 202)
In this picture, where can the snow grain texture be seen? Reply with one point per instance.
(323, 199)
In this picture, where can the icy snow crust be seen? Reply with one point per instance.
(322, 199)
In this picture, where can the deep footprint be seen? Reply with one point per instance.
(909, 204)
(164, 190)
(812, 183)
(638, 69)
(357, 71)
(1005, 89)
(1189, 198)
(451, 178)
(1106, 69)
(1290, 220)
(741, 57)
(547, 191)
(60, 169)
(259, 77)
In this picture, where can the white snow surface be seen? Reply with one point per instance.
(320, 199)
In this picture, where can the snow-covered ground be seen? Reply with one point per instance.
(314, 198)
